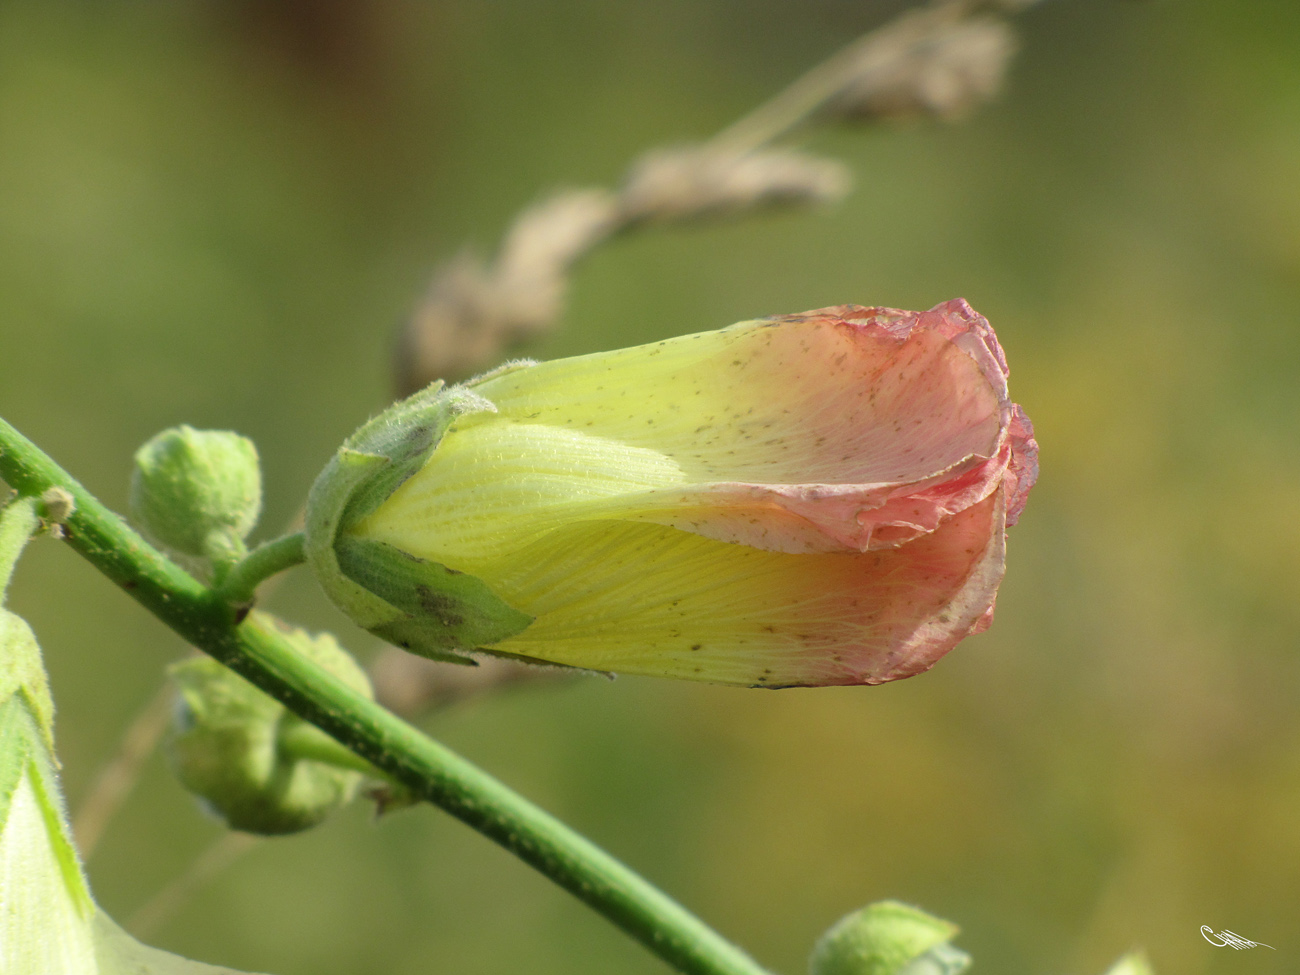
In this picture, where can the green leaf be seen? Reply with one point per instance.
(24, 755)
(15, 749)
(23, 672)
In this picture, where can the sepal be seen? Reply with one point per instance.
(415, 603)
(442, 607)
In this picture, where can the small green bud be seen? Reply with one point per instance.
(197, 491)
(230, 743)
(1134, 963)
(888, 938)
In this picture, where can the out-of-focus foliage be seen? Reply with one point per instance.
(215, 213)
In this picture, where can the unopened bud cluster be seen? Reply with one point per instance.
(228, 743)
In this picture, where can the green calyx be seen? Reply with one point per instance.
(240, 751)
(414, 603)
(888, 938)
(198, 492)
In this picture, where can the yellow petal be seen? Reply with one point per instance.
(813, 434)
(648, 599)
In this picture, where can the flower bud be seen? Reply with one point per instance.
(1134, 963)
(804, 500)
(228, 744)
(197, 491)
(927, 64)
(888, 938)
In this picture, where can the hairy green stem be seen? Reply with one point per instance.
(240, 583)
(208, 621)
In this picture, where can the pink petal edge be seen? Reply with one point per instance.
(862, 517)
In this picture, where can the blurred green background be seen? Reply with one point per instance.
(216, 213)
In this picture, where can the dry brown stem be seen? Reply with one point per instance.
(216, 859)
(938, 61)
(412, 686)
(118, 776)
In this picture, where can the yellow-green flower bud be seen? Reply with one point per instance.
(806, 500)
(197, 491)
(888, 938)
(232, 743)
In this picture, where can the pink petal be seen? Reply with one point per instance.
(938, 435)
(1022, 471)
(842, 428)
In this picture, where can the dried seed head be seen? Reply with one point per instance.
(412, 686)
(920, 67)
(698, 181)
(546, 239)
(473, 312)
